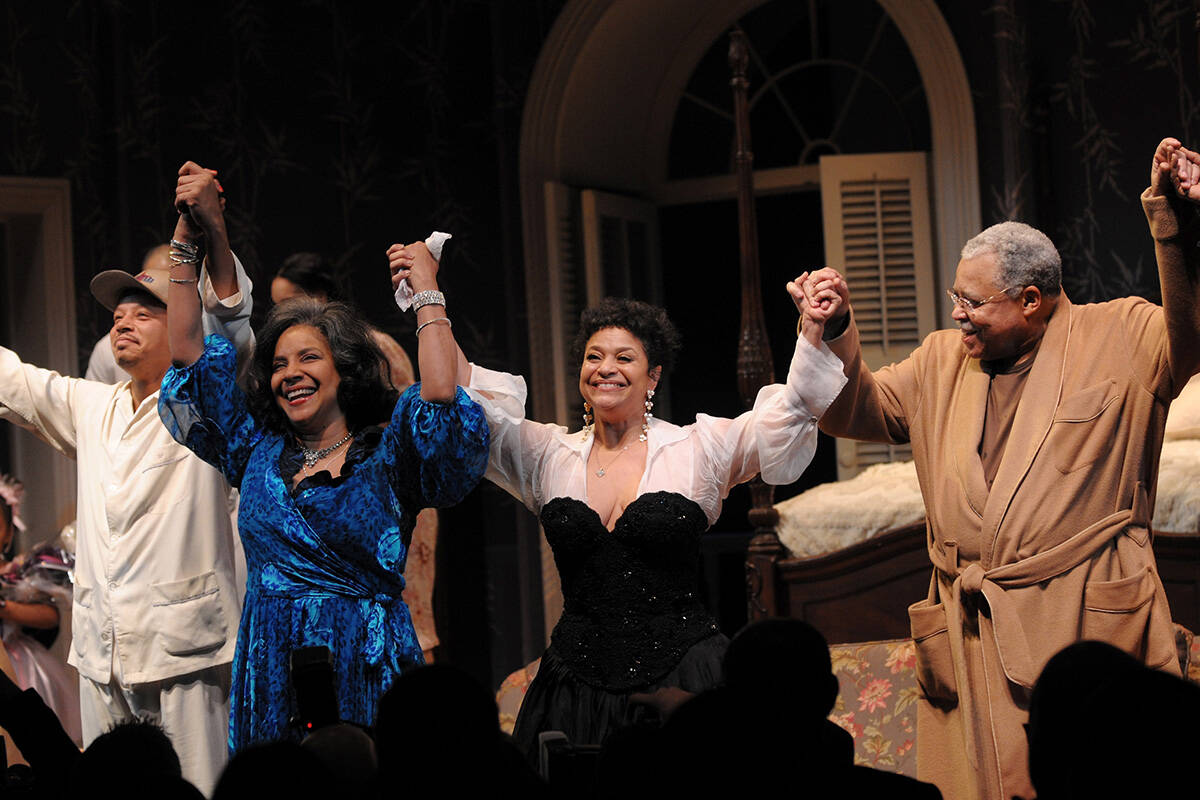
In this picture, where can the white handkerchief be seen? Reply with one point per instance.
(404, 292)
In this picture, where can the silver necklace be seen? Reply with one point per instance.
(600, 473)
(311, 457)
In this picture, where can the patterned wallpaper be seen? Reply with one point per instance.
(1071, 99)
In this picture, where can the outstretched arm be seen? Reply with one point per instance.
(398, 264)
(199, 235)
(437, 351)
(198, 197)
(1170, 205)
(184, 331)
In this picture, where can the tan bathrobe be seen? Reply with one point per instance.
(1064, 531)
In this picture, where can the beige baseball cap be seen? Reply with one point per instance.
(111, 285)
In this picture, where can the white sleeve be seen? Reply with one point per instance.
(39, 400)
(519, 447)
(229, 316)
(777, 437)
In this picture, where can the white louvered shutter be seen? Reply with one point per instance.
(876, 215)
(620, 247)
(567, 289)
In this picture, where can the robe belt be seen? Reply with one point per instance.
(1011, 641)
(1008, 630)
(383, 629)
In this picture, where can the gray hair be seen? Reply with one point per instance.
(1024, 256)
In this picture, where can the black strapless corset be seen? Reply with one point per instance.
(630, 609)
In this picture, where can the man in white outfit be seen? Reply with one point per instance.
(156, 604)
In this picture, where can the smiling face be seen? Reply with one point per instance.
(304, 380)
(139, 335)
(997, 330)
(615, 375)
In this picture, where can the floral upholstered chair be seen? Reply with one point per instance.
(877, 702)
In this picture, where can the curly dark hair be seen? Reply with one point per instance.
(365, 392)
(649, 324)
(312, 273)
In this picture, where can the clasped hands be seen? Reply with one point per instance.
(199, 201)
(1175, 169)
(821, 297)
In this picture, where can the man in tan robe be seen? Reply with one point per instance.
(1036, 430)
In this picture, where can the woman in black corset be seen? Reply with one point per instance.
(623, 503)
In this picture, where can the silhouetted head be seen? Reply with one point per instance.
(786, 660)
(277, 769)
(435, 720)
(347, 752)
(137, 750)
(1092, 698)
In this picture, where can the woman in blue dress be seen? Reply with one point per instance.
(332, 469)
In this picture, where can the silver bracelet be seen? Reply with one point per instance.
(190, 249)
(429, 297)
(182, 280)
(446, 320)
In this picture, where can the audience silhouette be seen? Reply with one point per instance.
(768, 725)
(1103, 725)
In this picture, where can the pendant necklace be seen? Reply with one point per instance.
(311, 457)
(600, 473)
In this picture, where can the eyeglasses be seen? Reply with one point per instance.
(968, 305)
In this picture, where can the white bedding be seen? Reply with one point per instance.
(832, 516)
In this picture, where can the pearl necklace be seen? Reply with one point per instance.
(311, 457)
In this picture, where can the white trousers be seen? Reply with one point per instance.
(193, 709)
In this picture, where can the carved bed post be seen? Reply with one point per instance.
(754, 353)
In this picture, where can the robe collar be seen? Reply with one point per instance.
(1031, 425)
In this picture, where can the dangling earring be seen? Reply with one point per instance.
(646, 416)
(587, 418)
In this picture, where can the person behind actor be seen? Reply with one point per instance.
(1036, 430)
(155, 604)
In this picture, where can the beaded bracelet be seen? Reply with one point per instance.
(429, 297)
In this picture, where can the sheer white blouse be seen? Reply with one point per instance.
(536, 462)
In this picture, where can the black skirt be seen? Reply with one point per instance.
(557, 700)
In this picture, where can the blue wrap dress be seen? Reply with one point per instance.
(325, 561)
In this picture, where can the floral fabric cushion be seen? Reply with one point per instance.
(512, 692)
(877, 702)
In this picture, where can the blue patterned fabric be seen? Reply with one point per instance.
(325, 561)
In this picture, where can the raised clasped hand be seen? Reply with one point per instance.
(415, 263)
(198, 196)
(820, 297)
